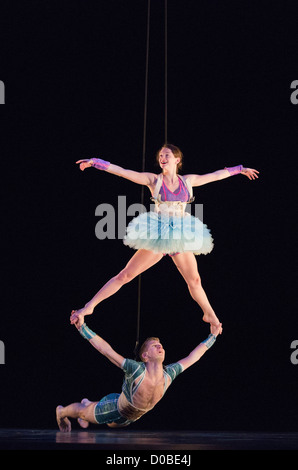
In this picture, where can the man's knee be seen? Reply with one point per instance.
(115, 425)
(87, 413)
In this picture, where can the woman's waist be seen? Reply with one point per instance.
(159, 202)
(154, 216)
(171, 213)
(170, 208)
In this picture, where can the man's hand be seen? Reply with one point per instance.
(75, 314)
(76, 319)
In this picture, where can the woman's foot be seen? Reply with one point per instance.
(63, 422)
(211, 318)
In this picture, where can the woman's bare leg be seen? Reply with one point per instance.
(140, 262)
(187, 266)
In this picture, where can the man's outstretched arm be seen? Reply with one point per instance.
(100, 344)
(200, 350)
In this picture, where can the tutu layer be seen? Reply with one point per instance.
(166, 234)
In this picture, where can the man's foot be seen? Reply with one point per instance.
(84, 424)
(63, 423)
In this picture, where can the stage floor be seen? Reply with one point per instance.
(122, 440)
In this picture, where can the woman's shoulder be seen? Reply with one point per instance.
(153, 177)
(154, 180)
(185, 177)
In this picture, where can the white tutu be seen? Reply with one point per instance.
(168, 234)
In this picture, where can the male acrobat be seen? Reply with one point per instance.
(145, 382)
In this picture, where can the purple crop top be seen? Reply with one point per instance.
(181, 194)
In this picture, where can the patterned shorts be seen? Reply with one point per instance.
(106, 411)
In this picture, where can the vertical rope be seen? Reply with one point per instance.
(166, 71)
(143, 169)
(144, 134)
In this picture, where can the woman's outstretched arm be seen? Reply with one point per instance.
(199, 180)
(147, 179)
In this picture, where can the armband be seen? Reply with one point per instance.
(209, 341)
(234, 170)
(99, 164)
(86, 332)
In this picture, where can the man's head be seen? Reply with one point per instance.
(152, 350)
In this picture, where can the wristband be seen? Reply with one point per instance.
(99, 164)
(209, 341)
(235, 170)
(86, 332)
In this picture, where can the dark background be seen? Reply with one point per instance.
(74, 75)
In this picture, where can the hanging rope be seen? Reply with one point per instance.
(143, 168)
(166, 71)
(144, 136)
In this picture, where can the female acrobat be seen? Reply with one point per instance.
(168, 230)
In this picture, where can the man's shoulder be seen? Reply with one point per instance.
(173, 369)
(130, 366)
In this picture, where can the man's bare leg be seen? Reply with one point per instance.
(84, 411)
(82, 422)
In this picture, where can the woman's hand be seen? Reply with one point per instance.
(84, 164)
(250, 173)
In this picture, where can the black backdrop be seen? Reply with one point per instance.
(74, 87)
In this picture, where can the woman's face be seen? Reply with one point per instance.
(167, 159)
